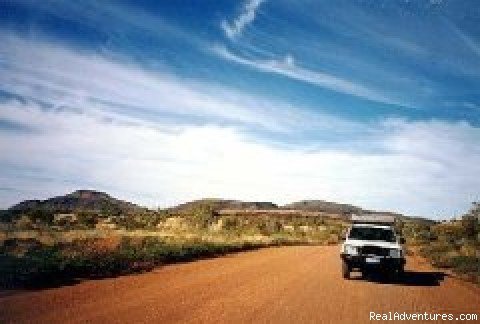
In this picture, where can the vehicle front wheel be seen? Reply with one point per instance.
(396, 274)
(345, 270)
(400, 272)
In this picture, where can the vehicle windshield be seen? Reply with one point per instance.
(372, 234)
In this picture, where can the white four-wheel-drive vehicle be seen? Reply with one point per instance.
(371, 244)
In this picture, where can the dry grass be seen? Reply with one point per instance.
(35, 257)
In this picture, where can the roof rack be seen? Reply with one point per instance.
(373, 219)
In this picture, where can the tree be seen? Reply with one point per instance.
(470, 226)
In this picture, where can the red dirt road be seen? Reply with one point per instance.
(276, 285)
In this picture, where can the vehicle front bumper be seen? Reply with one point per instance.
(360, 262)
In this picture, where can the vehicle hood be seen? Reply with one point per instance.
(382, 244)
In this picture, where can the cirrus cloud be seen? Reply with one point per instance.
(234, 29)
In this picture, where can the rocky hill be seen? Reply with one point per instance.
(220, 204)
(324, 206)
(80, 200)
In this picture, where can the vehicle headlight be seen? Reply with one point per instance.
(350, 250)
(395, 253)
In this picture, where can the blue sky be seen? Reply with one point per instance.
(374, 103)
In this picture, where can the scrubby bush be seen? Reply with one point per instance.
(466, 264)
(455, 244)
(41, 215)
(96, 258)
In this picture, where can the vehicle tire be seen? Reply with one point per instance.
(400, 272)
(364, 273)
(345, 270)
(396, 274)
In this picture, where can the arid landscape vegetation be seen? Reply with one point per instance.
(89, 234)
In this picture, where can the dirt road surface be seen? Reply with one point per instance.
(276, 285)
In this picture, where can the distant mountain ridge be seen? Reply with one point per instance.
(303, 205)
(101, 202)
(324, 206)
(219, 204)
(80, 200)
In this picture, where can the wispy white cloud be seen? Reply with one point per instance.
(64, 78)
(116, 21)
(462, 104)
(473, 45)
(436, 2)
(288, 68)
(356, 42)
(246, 17)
